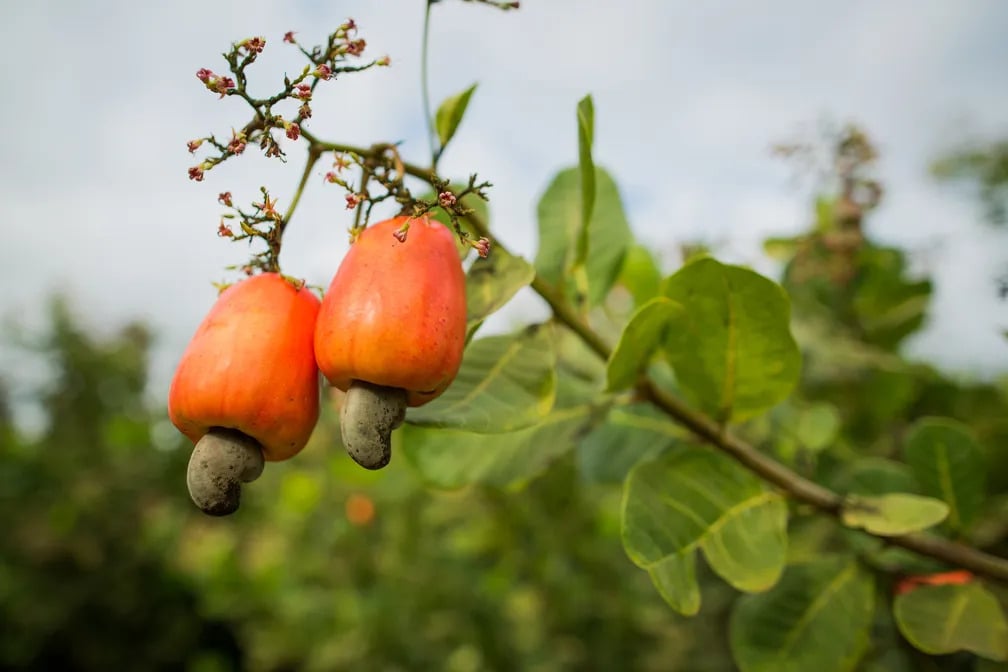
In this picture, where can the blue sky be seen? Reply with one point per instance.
(100, 99)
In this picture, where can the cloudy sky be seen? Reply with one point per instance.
(101, 97)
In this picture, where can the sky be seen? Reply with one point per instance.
(100, 99)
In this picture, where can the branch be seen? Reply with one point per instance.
(795, 485)
(710, 432)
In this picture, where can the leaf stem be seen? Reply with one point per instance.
(424, 86)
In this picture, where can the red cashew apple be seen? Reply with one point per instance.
(246, 389)
(391, 329)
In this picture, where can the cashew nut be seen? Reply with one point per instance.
(221, 461)
(370, 413)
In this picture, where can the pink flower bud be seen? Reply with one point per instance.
(293, 131)
(193, 145)
(224, 198)
(483, 247)
(289, 37)
(323, 71)
(356, 47)
(196, 174)
(447, 199)
(237, 144)
(254, 44)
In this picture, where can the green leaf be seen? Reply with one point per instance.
(675, 579)
(893, 514)
(640, 274)
(945, 619)
(887, 304)
(505, 383)
(871, 477)
(586, 134)
(733, 352)
(630, 434)
(949, 464)
(452, 458)
(695, 498)
(817, 618)
(449, 115)
(491, 283)
(641, 336)
(781, 249)
(825, 209)
(559, 215)
(818, 426)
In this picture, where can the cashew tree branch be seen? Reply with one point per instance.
(705, 428)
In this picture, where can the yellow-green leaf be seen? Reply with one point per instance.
(893, 514)
(450, 113)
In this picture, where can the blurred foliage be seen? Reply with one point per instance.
(105, 564)
(986, 167)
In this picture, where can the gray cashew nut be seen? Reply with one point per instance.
(221, 461)
(370, 413)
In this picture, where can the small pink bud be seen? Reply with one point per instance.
(447, 199)
(303, 91)
(289, 37)
(293, 131)
(224, 231)
(221, 85)
(383, 61)
(483, 247)
(193, 145)
(196, 174)
(400, 234)
(323, 71)
(254, 44)
(356, 47)
(204, 74)
(224, 198)
(331, 178)
(352, 201)
(237, 144)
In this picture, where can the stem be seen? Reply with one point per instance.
(706, 429)
(424, 92)
(314, 153)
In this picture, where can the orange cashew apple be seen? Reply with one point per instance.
(391, 329)
(246, 389)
